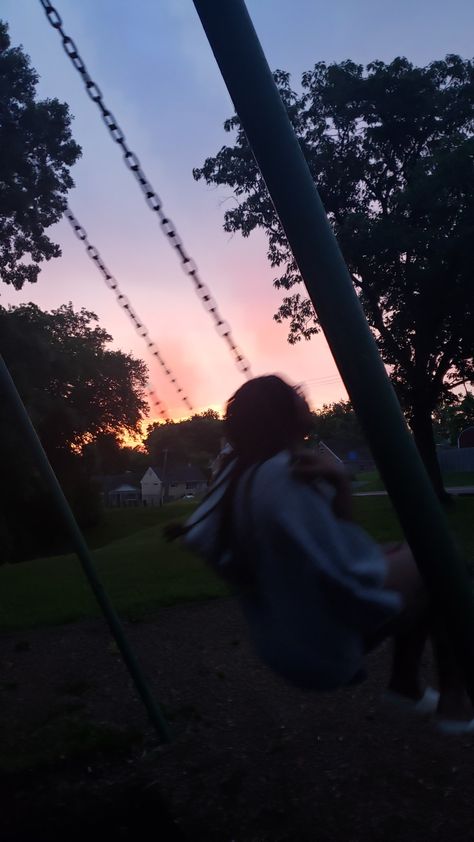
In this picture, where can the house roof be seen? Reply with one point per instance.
(112, 482)
(124, 487)
(343, 446)
(181, 473)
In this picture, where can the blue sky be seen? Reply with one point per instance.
(158, 76)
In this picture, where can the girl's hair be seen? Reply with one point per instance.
(265, 416)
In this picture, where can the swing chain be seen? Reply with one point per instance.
(152, 198)
(126, 306)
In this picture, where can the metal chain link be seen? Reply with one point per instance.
(155, 401)
(152, 198)
(126, 306)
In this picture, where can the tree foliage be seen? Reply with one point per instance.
(196, 440)
(391, 149)
(107, 455)
(450, 419)
(338, 422)
(74, 387)
(36, 153)
(75, 390)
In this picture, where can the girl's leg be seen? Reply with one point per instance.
(410, 636)
(408, 647)
(411, 631)
(454, 702)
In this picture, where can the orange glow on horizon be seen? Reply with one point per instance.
(128, 439)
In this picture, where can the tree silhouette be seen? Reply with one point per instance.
(391, 149)
(37, 151)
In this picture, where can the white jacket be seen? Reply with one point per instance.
(319, 593)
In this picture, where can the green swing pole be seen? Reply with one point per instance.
(11, 396)
(257, 102)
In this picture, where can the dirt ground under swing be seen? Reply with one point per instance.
(252, 760)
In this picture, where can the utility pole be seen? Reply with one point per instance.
(163, 481)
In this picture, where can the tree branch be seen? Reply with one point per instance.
(379, 324)
(445, 362)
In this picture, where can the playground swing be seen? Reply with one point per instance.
(273, 141)
(264, 119)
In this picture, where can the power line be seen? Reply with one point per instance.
(328, 378)
(152, 198)
(124, 302)
(322, 381)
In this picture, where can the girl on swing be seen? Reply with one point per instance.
(317, 592)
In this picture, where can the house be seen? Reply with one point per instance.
(456, 459)
(152, 487)
(354, 455)
(466, 437)
(185, 480)
(120, 489)
(161, 486)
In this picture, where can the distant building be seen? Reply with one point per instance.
(354, 455)
(159, 486)
(120, 489)
(152, 487)
(456, 459)
(466, 437)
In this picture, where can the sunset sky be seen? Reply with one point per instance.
(159, 78)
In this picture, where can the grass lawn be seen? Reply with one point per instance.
(376, 516)
(371, 481)
(459, 478)
(118, 523)
(142, 572)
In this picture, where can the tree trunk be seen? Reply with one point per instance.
(422, 427)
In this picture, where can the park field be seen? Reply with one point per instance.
(142, 572)
(371, 480)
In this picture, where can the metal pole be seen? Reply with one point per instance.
(12, 397)
(275, 146)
